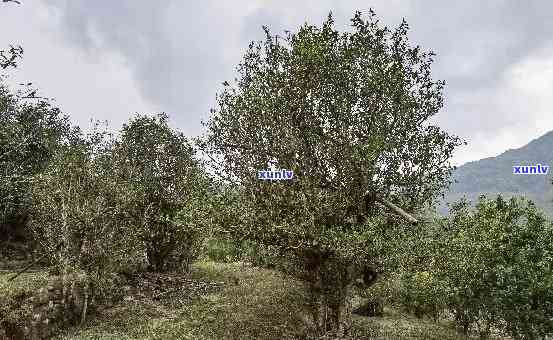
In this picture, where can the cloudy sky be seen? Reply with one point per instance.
(108, 59)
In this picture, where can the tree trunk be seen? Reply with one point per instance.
(330, 289)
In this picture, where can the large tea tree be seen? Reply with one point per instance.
(348, 113)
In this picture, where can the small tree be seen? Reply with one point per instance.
(30, 134)
(496, 262)
(76, 218)
(164, 187)
(347, 113)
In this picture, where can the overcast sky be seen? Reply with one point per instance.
(108, 59)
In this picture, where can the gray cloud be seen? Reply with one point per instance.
(179, 53)
(170, 65)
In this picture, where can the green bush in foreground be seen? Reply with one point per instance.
(495, 263)
(76, 219)
(223, 250)
(30, 134)
(105, 206)
(163, 191)
(421, 294)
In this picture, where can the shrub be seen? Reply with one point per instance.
(421, 294)
(30, 134)
(496, 263)
(163, 189)
(76, 219)
(223, 250)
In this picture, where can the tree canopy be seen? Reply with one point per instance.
(347, 112)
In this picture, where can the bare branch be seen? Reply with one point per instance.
(398, 210)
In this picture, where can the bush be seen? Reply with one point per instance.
(76, 219)
(421, 294)
(226, 250)
(163, 189)
(30, 134)
(267, 257)
(103, 207)
(496, 263)
(382, 293)
(223, 250)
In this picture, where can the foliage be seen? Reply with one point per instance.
(164, 189)
(268, 257)
(30, 134)
(76, 217)
(104, 206)
(421, 294)
(347, 112)
(495, 262)
(222, 250)
(8, 58)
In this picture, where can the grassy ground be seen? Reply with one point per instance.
(251, 304)
(12, 258)
(13, 293)
(24, 284)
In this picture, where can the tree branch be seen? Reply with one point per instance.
(58, 247)
(397, 209)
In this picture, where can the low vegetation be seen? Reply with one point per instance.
(252, 303)
(490, 267)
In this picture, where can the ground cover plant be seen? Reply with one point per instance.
(263, 304)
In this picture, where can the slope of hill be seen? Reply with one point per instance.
(495, 175)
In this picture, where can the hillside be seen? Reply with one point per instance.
(495, 175)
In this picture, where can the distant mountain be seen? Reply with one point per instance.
(495, 175)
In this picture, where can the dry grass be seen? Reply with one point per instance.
(13, 293)
(24, 284)
(252, 304)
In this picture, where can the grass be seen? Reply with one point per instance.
(13, 293)
(251, 308)
(23, 285)
(252, 304)
(12, 258)
(398, 325)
